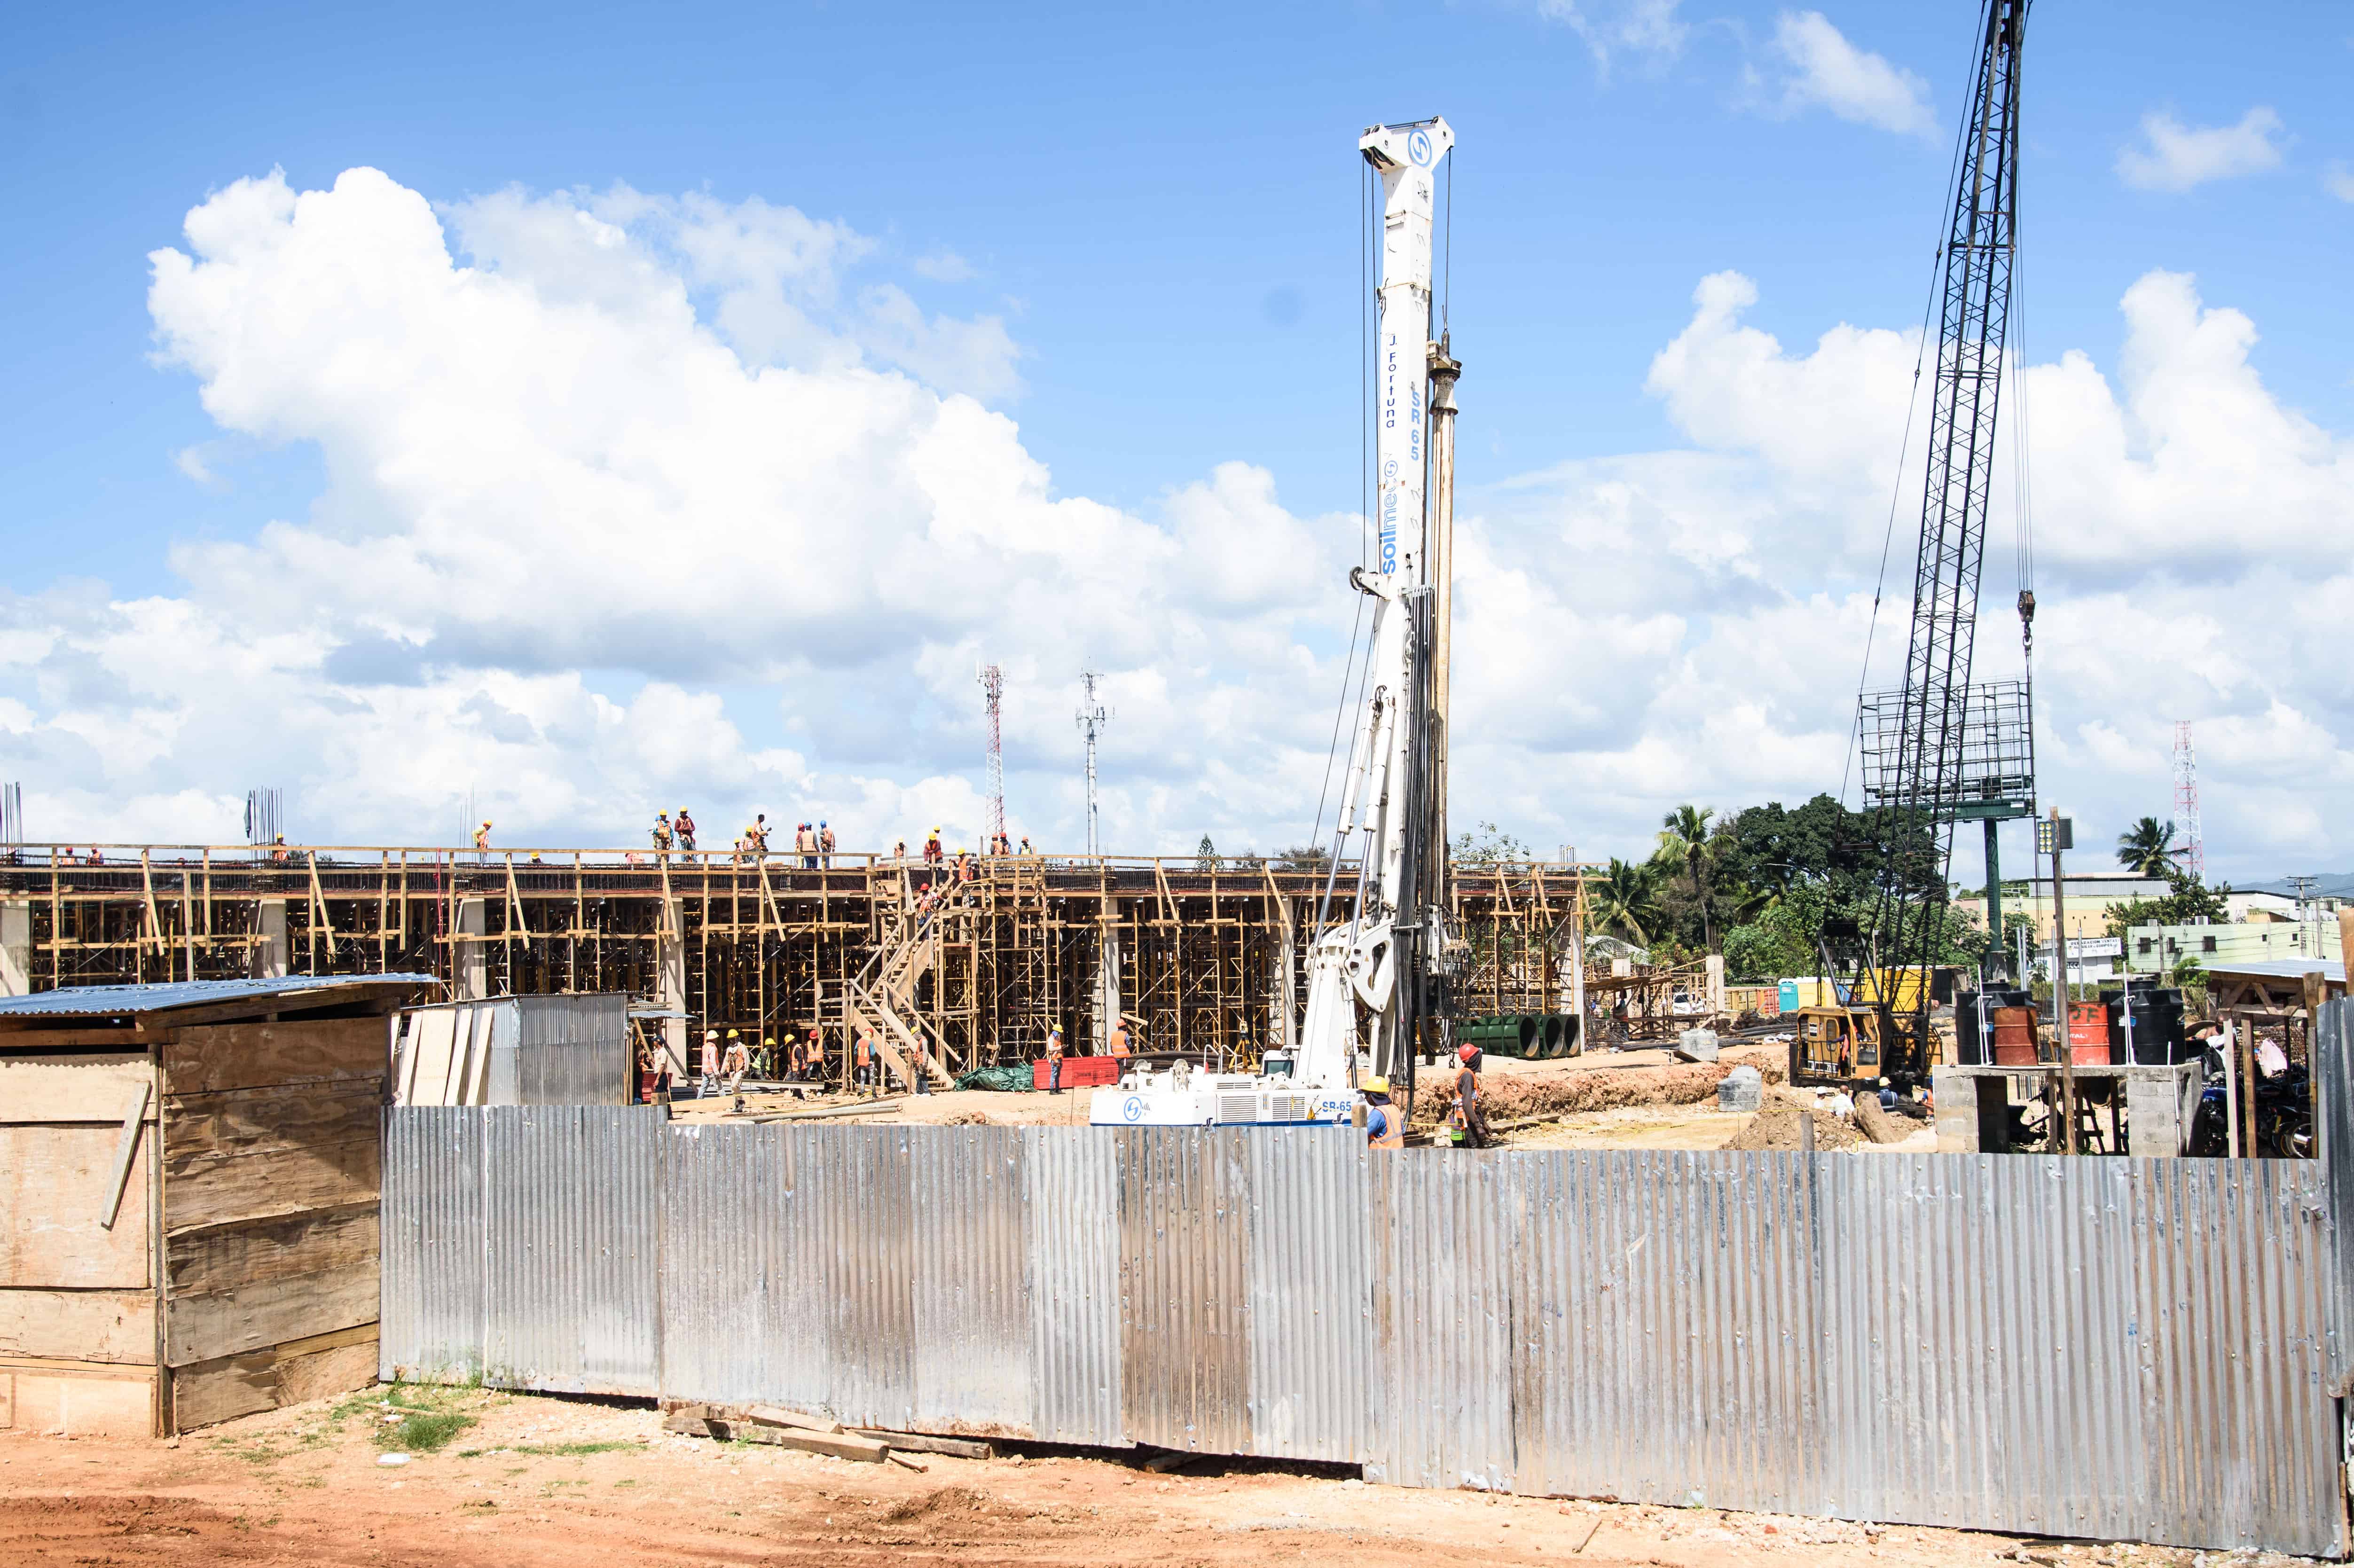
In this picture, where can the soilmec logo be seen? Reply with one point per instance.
(1132, 1108)
(1418, 147)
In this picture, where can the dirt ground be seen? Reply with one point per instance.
(526, 1480)
(1611, 1099)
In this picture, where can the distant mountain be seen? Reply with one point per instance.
(2325, 885)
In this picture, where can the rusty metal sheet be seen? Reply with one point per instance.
(1073, 1200)
(1183, 1245)
(970, 1279)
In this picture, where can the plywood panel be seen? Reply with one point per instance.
(223, 1390)
(83, 1325)
(69, 1088)
(251, 1121)
(54, 1182)
(256, 1317)
(256, 1056)
(216, 1189)
(253, 1251)
(78, 1405)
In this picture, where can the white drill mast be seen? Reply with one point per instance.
(1358, 958)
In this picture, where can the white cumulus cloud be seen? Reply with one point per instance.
(1818, 69)
(2172, 156)
(634, 502)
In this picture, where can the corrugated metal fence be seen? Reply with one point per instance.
(2132, 1348)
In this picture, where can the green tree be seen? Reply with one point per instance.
(1626, 901)
(1685, 848)
(2187, 900)
(1303, 857)
(1490, 845)
(1205, 856)
(2147, 848)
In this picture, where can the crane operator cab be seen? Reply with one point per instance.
(1835, 1045)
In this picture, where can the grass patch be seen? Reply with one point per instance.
(423, 1431)
(571, 1450)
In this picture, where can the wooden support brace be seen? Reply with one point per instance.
(320, 924)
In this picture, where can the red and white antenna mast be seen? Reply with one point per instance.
(992, 682)
(2186, 801)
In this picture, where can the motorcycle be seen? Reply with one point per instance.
(2284, 1116)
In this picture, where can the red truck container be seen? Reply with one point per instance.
(1080, 1071)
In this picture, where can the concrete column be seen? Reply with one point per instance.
(1107, 989)
(1715, 964)
(273, 955)
(670, 988)
(472, 962)
(16, 947)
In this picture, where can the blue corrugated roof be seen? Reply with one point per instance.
(115, 1000)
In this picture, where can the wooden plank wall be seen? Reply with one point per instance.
(272, 1167)
(77, 1294)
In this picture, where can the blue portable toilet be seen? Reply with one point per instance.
(1789, 996)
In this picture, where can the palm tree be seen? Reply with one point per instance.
(1685, 844)
(1625, 903)
(2147, 848)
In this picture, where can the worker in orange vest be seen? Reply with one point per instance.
(1120, 1039)
(1054, 1060)
(864, 1057)
(1467, 1115)
(1384, 1123)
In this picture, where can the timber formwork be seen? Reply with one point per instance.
(1199, 957)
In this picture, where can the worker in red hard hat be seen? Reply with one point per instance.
(1467, 1114)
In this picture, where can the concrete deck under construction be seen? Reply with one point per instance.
(1200, 956)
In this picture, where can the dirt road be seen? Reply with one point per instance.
(527, 1481)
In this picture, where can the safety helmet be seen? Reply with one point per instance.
(1465, 1052)
(1377, 1084)
(1883, 1081)
(821, 822)
(662, 813)
(711, 1034)
(731, 1035)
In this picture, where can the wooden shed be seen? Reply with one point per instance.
(146, 1290)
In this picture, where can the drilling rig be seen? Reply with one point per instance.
(1381, 945)
(1937, 750)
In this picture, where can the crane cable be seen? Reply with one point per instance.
(1364, 476)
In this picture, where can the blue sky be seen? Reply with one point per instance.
(1160, 204)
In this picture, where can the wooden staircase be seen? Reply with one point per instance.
(883, 994)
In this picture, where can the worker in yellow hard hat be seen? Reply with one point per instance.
(1384, 1122)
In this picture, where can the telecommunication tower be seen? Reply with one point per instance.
(2186, 801)
(993, 684)
(1092, 716)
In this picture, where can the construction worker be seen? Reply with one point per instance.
(824, 845)
(1467, 1115)
(863, 1069)
(1026, 849)
(686, 830)
(735, 1064)
(809, 847)
(933, 854)
(278, 851)
(1119, 1038)
(766, 1067)
(662, 832)
(483, 839)
(1384, 1123)
(899, 852)
(1054, 1060)
(710, 1076)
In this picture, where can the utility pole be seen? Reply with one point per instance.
(1092, 716)
(993, 684)
(2059, 834)
(2308, 910)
